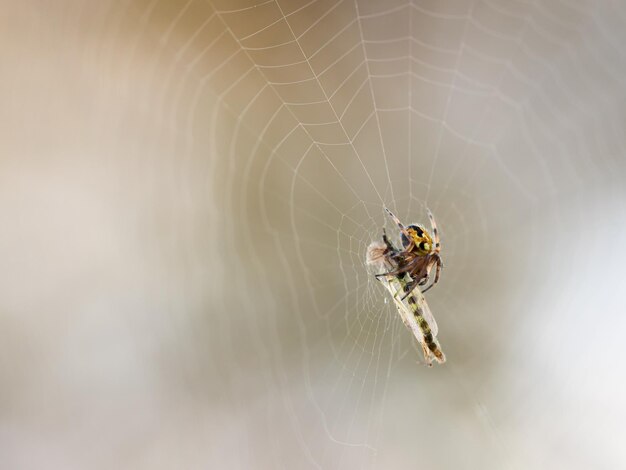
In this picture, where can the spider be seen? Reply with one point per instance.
(420, 253)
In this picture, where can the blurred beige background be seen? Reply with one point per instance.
(187, 189)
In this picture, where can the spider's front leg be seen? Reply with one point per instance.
(390, 247)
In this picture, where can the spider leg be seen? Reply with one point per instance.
(437, 274)
(420, 282)
(396, 220)
(433, 225)
(400, 225)
(405, 267)
(428, 288)
(390, 246)
(394, 272)
(408, 288)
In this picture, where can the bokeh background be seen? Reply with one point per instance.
(187, 190)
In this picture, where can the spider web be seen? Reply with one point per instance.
(469, 108)
(297, 123)
(490, 113)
